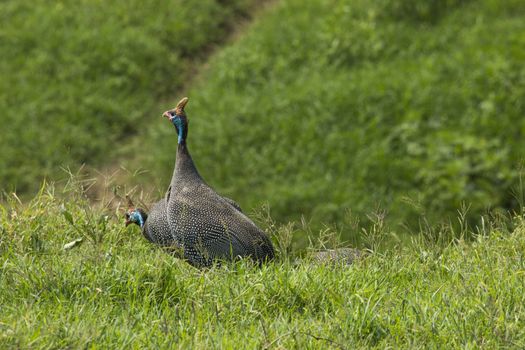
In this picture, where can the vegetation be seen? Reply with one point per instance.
(325, 111)
(78, 77)
(412, 106)
(116, 290)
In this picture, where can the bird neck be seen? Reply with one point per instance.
(181, 124)
(182, 135)
(184, 167)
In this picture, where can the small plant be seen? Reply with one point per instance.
(281, 235)
(92, 227)
(375, 234)
(89, 222)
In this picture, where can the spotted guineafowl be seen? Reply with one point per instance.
(206, 225)
(154, 225)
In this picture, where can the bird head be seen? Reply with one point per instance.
(178, 117)
(135, 215)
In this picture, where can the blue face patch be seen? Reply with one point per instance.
(136, 217)
(177, 121)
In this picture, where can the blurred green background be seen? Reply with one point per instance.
(315, 107)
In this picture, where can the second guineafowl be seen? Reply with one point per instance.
(154, 226)
(206, 225)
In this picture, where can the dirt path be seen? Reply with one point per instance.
(108, 185)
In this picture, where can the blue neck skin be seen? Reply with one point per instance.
(177, 121)
(136, 217)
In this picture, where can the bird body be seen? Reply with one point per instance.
(206, 225)
(154, 226)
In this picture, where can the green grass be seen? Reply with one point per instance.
(324, 110)
(118, 291)
(79, 77)
(412, 106)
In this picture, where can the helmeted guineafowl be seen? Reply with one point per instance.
(206, 225)
(154, 225)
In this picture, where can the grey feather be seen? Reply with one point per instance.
(343, 256)
(207, 225)
(156, 228)
(233, 203)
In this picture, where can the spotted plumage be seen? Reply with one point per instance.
(344, 256)
(154, 226)
(204, 224)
